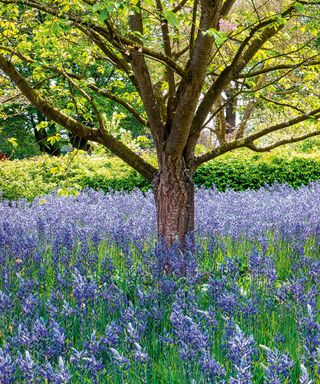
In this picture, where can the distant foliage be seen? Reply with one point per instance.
(38, 176)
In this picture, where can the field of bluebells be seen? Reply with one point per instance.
(84, 299)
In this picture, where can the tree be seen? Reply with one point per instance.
(186, 61)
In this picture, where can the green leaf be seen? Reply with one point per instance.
(54, 138)
(42, 125)
(13, 141)
(103, 15)
(219, 37)
(171, 17)
(299, 7)
(56, 29)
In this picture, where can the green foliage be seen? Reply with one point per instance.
(29, 178)
(16, 141)
(256, 172)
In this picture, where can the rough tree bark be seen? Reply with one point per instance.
(174, 197)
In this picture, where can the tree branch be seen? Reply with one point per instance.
(249, 47)
(226, 8)
(170, 74)
(71, 124)
(279, 67)
(285, 124)
(141, 71)
(249, 140)
(286, 105)
(288, 140)
(179, 6)
(117, 99)
(87, 97)
(102, 92)
(113, 39)
(189, 91)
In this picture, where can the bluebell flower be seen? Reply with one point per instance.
(30, 304)
(40, 330)
(111, 335)
(211, 368)
(309, 329)
(5, 302)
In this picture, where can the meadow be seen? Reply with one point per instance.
(84, 297)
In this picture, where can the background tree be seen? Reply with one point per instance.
(186, 63)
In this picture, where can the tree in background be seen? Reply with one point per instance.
(186, 62)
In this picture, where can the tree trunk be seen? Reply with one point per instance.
(174, 196)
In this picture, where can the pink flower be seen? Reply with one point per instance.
(227, 26)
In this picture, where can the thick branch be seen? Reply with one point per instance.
(73, 125)
(141, 71)
(274, 68)
(279, 143)
(249, 140)
(170, 73)
(258, 36)
(219, 151)
(226, 8)
(190, 90)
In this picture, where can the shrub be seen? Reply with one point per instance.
(38, 176)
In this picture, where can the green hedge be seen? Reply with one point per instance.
(38, 176)
(241, 175)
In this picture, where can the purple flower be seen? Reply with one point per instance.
(59, 376)
(188, 334)
(40, 330)
(28, 367)
(241, 350)
(211, 368)
(29, 304)
(140, 355)
(309, 329)
(84, 289)
(7, 368)
(119, 360)
(5, 302)
(279, 365)
(304, 377)
(111, 335)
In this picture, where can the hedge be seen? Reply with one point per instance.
(41, 175)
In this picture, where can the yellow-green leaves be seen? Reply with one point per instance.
(12, 141)
(219, 37)
(54, 138)
(42, 125)
(171, 17)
